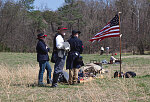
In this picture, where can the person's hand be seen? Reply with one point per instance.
(46, 47)
(67, 49)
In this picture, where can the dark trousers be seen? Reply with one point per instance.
(44, 65)
(102, 51)
(58, 68)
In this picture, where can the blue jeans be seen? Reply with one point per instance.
(44, 65)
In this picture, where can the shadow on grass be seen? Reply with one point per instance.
(65, 85)
(60, 85)
(145, 76)
(31, 85)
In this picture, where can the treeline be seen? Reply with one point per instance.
(19, 23)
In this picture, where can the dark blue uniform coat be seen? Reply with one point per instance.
(42, 52)
(76, 46)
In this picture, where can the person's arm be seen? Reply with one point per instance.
(59, 42)
(43, 48)
(48, 48)
(113, 57)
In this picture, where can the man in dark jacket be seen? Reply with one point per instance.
(73, 63)
(43, 59)
(59, 54)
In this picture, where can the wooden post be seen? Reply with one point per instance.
(120, 41)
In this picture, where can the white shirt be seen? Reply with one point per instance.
(59, 42)
(102, 48)
(107, 48)
(113, 58)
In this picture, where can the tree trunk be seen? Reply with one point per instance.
(141, 48)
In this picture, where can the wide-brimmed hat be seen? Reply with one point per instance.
(61, 28)
(75, 32)
(41, 35)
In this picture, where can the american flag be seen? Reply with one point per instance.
(112, 29)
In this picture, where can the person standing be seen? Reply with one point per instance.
(43, 59)
(59, 54)
(107, 50)
(73, 63)
(102, 50)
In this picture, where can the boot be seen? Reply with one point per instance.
(74, 81)
(41, 84)
(40, 81)
(55, 79)
(49, 81)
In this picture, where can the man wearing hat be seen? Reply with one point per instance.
(59, 55)
(43, 59)
(73, 63)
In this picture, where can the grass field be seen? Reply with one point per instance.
(19, 72)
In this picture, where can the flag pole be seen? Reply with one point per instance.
(120, 41)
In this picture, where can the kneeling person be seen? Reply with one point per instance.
(73, 63)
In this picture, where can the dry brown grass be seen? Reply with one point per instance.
(20, 84)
